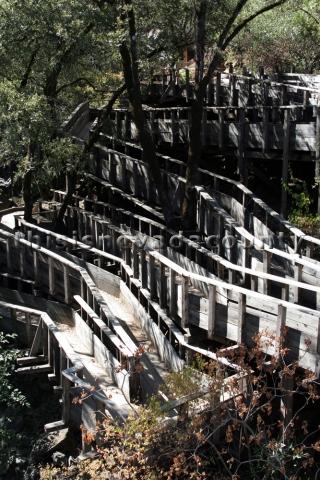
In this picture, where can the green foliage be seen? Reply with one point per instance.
(284, 39)
(9, 395)
(10, 398)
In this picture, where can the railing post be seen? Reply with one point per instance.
(163, 287)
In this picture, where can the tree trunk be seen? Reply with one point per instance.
(27, 184)
(131, 75)
(189, 203)
(27, 196)
(71, 184)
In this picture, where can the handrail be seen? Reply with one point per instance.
(103, 327)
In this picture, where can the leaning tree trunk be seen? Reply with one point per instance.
(71, 180)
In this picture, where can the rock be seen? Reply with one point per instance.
(20, 461)
(61, 441)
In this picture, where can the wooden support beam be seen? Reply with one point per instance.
(187, 77)
(163, 287)
(285, 163)
(204, 127)
(184, 301)
(152, 278)
(265, 122)
(173, 294)
(266, 269)
(281, 323)
(242, 304)
(135, 260)
(37, 341)
(296, 291)
(34, 369)
(9, 254)
(144, 269)
(212, 300)
(317, 158)
(66, 405)
(221, 129)
(211, 92)
(67, 285)
(28, 328)
(22, 258)
(51, 276)
(218, 89)
(174, 126)
(242, 166)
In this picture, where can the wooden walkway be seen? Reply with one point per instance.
(119, 300)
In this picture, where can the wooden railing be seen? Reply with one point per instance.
(245, 198)
(218, 222)
(51, 344)
(229, 311)
(234, 89)
(105, 234)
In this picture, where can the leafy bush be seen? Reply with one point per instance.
(249, 435)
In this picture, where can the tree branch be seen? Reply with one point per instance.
(240, 5)
(78, 80)
(25, 78)
(249, 19)
(316, 19)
